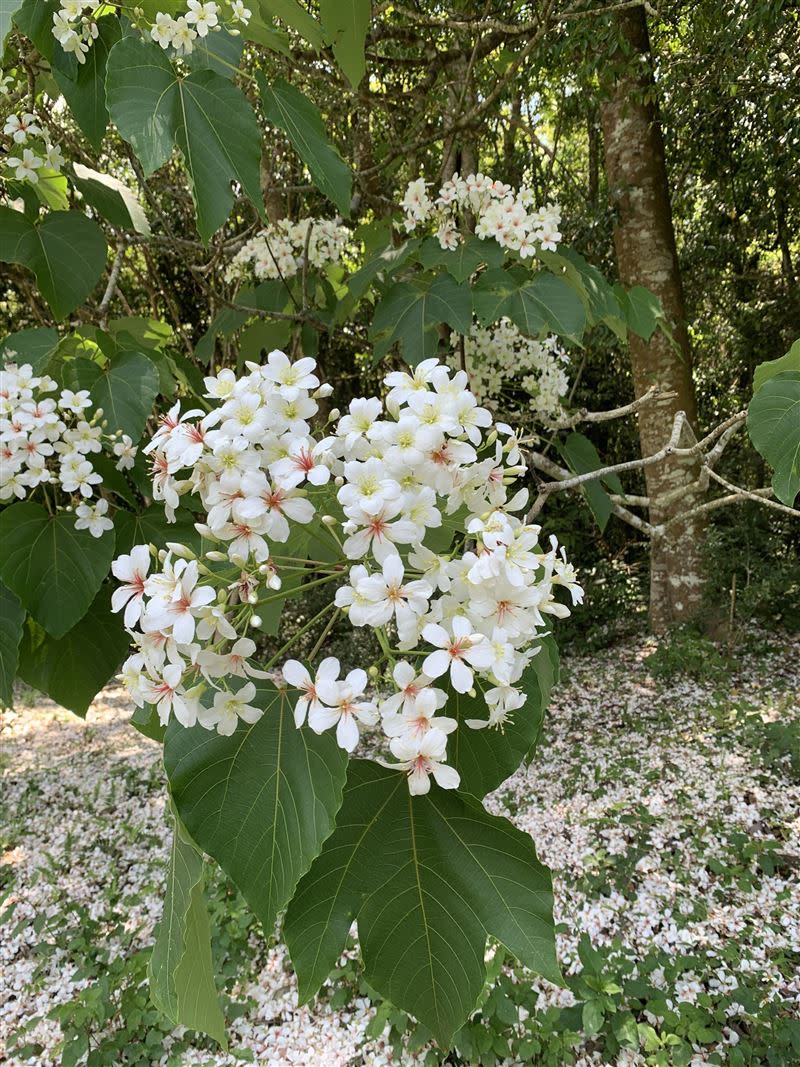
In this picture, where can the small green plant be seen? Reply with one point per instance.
(690, 653)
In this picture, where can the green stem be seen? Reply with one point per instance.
(328, 627)
(300, 632)
(300, 589)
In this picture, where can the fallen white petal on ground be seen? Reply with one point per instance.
(616, 745)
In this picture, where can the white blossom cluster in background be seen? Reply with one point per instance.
(466, 619)
(278, 251)
(500, 211)
(505, 366)
(75, 26)
(49, 441)
(31, 150)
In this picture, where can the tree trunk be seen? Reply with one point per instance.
(644, 239)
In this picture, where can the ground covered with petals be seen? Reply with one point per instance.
(666, 807)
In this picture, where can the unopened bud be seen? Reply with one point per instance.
(373, 671)
(329, 520)
(216, 557)
(98, 413)
(182, 551)
(274, 582)
(334, 415)
(237, 560)
(255, 620)
(162, 554)
(324, 390)
(490, 440)
(205, 531)
(264, 568)
(252, 598)
(472, 693)
(338, 481)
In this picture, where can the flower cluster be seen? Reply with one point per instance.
(464, 620)
(501, 359)
(180, 32)
(49, 441)
(31, 148)
(74, 26)
(279, 250)
(500, 211)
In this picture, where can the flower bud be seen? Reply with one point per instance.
(329, 520)
(252, 598)
(205, 531)
(182, 551)
(472, 693)
(162, 554)
(255, 620)
(334, 415)
(338, 481)
(324, 390)
(491, 438)
(274, 582)
(216, 557)
(373, 671)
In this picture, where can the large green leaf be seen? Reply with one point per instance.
(261, 801)
(84, 84)
(582, 457)
(204, 114)
(773, 421)
(463, 261)
(66, 252)
(35, 19)
(125, 391)
(296, 17)
(151, 527)
(428, 879)
(53, 568)
(300, 120)
(595, 292)
(345, 23)
(35, 346)
(485, 758)
(411, 312)
(181, 970)
(7, 10)
(536, 303)
(111, 198)
(74, 668)
(641, 310)
(12, 619)
(219, 51)
(765, 371)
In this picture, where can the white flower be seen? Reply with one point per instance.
(420, 759)
(163, 29)
(75, 402)
(239, 12)
(203, 16)
(299, 678)
(177, 614)
(131, 569)
(168, 698)
(183, 36)
(94, 518)
(413, 723)
(458, 651)
(338, 705)
(410, 685)
(126, 451)
(53, 156)
(228, 708)
(20, 127)
(25, 166)
(387, 595)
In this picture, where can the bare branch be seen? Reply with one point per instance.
(113, 279)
